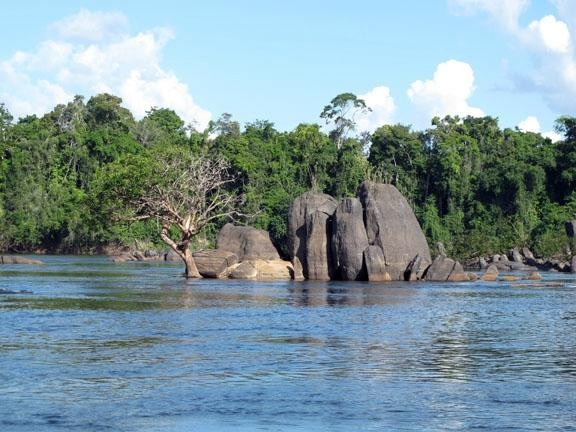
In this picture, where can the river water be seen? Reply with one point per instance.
(135, 347)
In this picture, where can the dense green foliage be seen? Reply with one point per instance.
(476, 187)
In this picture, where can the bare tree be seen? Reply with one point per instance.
(191, 192)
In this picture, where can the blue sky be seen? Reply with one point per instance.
(283, 61)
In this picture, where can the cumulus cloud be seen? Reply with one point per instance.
(103, 57)
(447, 93)
(531, 124)
(549, 42)
(549, 34)
(381, 102)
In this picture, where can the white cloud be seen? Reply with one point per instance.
(550, 34)
(548, 41)
(531, 124)
(505, 12)
(381, 102)
(111, 60)
(90, 26)
(447, 93)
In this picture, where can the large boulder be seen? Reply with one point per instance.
(349, 239)
(214, 263)
(309, 232)
(391, 224)
(318, 256)
(375, 264)
(246, 242)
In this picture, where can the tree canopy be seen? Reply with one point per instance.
(474, 186)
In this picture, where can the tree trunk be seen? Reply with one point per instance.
(191, 269)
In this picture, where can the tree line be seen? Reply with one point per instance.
(66, 177)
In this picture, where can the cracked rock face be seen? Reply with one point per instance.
(349, 240)
(309, 234)
(391, 224)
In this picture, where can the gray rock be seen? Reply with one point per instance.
(483, 263)
(214, 263)
(495, 258)
(246, 242)
(516, 256)
(171, 255)
(375, 264)
(246, 270)
(318, 256)
(573, 264)
(139, 256)
(527, 253)
(571, 228)
(440, 249)
(416, 269)
(299, 243)
(391, 224)
(504, 258)
(349, 239)
(440, 269)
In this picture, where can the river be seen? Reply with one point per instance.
(99, 346)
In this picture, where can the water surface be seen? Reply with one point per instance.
(135, 347)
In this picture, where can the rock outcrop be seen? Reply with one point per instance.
(391, 224)
(247, 243)
(309, 234)
(349, 240)
(214, 263)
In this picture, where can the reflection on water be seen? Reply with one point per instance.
(128, 347)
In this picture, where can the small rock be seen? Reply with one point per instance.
(298, 271)
(491, 274)
(534, 276)
(508, 278)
